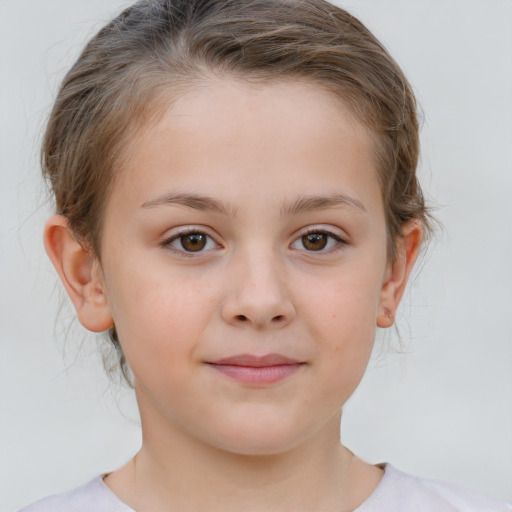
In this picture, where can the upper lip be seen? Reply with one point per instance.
(256, 361)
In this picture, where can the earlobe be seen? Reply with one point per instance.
(80, 272)
(398, 273)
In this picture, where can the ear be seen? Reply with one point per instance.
(81, 274)
(407, 249)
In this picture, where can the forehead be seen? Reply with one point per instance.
(252, 103)
(280, 137)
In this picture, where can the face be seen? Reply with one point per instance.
(244, 262)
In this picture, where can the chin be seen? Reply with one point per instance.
(259, 438)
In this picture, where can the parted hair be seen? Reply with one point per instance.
(157, 49)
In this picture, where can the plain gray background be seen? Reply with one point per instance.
(442, 410)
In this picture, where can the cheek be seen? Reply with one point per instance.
(159, 315)
(341, 315)
(345, 351)
(345, 306)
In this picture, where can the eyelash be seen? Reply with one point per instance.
(167, 243)
(339, 242)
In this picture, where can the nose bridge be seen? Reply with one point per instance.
(258, 294)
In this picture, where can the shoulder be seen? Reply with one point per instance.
(400, 492)
(93, 496)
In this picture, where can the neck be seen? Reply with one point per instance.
(182, 473)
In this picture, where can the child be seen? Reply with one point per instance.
(237, 206)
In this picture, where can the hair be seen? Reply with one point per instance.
(155, 49)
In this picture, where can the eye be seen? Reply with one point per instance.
(190, 242)
(318, 241)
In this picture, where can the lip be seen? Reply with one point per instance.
(257, 370)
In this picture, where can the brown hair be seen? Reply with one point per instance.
(156, 47)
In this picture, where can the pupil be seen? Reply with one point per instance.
(314, 241)
(193, 242)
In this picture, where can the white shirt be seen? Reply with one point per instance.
(396, 492)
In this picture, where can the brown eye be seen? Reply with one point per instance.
(315, 241)
(190, 243)
(320, 241)
(193, 242)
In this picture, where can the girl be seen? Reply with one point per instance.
(237, 206)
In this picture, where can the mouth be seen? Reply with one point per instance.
(257, 370)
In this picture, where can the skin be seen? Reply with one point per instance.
(240, 164)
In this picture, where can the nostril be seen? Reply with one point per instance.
(277, 318)
(242, 318)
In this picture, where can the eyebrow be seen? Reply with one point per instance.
(196, 201)
(312, 203)
(303, 204)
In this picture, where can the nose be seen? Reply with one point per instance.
(258, 295)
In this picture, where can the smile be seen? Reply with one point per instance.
(255, 370)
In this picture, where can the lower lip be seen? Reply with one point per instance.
(257, 376)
